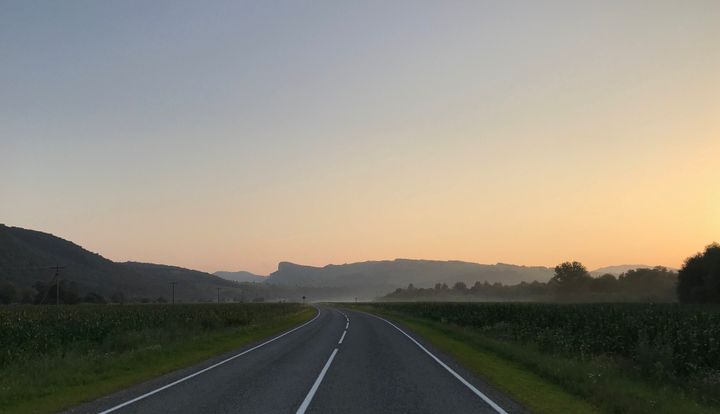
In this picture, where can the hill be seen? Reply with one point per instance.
(26, 257)
(241, 276)
(618, 270)
(375, 278)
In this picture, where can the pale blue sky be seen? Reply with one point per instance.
(228, 135)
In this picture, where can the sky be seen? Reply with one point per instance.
(226, 135)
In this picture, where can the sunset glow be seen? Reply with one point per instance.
(239, 136)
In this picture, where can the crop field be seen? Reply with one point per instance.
(621, 357)
(676, 339)
(56, 356)
(26, 331)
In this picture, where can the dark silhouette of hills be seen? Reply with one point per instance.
(620, 269)
(26, 255)
(241, 276)
(376, 278)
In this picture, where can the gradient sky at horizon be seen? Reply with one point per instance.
(232, 135)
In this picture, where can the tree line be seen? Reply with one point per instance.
(698, 281)
(66, 293)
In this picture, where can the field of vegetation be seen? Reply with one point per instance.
(594, 350)
(56, 356)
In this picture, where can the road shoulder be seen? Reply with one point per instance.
(115, 390)
(506, 382)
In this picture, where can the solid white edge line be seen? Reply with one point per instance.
(126, 403)
(306, 402)
(347, 325)
(472, 388)
(342, 337)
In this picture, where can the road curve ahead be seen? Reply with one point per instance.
(342, 361)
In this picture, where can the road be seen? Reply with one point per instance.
(341, 361)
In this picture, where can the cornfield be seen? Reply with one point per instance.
(684, 339)
(29, 331)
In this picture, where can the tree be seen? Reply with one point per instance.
(570, 277)
(699, 278)
(656, 284)
(68, 293)
(460, 287)
(606, 283)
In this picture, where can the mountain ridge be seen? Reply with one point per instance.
(377, 276)
(26, 257)
(240, 276)
(617, 270)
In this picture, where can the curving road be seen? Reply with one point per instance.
(341, 361)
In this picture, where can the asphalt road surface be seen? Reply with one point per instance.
(341, 361)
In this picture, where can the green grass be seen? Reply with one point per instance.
(43, 385)
(549, 383)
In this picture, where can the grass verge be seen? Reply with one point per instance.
(549, 383)
(47, 385)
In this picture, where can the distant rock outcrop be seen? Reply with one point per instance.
(375, 278)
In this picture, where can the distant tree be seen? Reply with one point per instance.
(699, 278)
(48, 293)
(8, 293)
(606, 283)
(570, 277)
(477, 287)
(411, 287)
(460, 287)
(656, 284)
(258, 300)
(161, 299)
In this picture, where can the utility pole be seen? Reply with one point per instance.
(303, 299)
(218, 289)
(57, 282)
(173, 291)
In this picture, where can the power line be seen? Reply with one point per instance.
(56, 279)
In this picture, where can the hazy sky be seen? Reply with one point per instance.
(232, 135)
